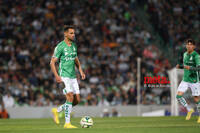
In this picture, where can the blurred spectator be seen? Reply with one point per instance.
(115, 113)
(8, 100)
(105, 113)
(4, 114)
(103, 101)
(172, 19)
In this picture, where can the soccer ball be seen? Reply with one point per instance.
(86, 122)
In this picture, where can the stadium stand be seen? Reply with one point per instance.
(109, 36)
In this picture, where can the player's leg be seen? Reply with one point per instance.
(56, 113)
(77, 100)
(196, 95)
(68, 109)
(76, 91)
(61, 108)
(181, 90)
(68, 104)
(197, 101)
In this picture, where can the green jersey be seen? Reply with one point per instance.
(191, 60)
(66, 55)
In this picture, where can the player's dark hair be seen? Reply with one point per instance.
(190, 41)
(67, 27)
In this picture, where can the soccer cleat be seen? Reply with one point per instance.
(189, 114)
(55, 115)
(69, 125)
(198, 121)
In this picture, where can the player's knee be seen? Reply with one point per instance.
(178, 96)
(196, 98)
(70, 97)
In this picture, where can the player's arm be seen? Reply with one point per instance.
(178, 66)
(193, 68)
(78, 65)
(53, 69)
(197, 68)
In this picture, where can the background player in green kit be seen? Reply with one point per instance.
(66, 53)
(191, 65)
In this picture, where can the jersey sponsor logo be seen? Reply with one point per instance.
(70, 56)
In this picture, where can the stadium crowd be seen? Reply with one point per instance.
(109, 38)
(175, 20)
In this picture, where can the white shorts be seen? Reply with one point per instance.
(195, 87)
(71, 85)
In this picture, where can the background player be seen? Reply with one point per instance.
(191, 65)
(66, 53)
(3, 112)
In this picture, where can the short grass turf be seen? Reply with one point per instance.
(104, 125)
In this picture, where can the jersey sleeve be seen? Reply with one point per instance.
(197, 60)
(57, 52)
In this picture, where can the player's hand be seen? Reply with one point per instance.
(58, 79)
(177, 66)
(82, 75)
(187, 67)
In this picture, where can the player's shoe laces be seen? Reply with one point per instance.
(198, 121)
(55, 115)
(69, 125)
(189, 114)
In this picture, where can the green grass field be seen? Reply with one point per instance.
(104, 125)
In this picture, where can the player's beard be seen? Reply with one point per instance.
(71, 39)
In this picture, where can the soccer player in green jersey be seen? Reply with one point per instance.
(191, 65)
(66, 53)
